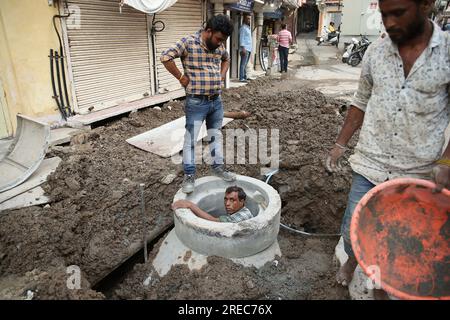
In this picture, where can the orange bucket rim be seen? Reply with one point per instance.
(355, 221)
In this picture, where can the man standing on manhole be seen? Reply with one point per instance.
(205, 63)
(402, 107)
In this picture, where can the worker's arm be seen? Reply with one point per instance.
(172, 68)
(241, 41)
(352, 123)
(167, 59)
(225, 64)
(446, 154)
(224, 68)
(196, 210)
(441, 171)
(355, 115)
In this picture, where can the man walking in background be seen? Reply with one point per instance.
(245, 46)
(284, 41)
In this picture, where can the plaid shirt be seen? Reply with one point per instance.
(241, 215)
(201, 65)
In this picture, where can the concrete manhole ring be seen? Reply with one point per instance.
(229, 240)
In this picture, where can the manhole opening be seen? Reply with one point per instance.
(214, 205)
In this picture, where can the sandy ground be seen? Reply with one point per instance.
(94, 218)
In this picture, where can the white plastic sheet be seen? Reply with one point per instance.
(150, 6)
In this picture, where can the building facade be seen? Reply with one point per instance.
(361, 18)
(87, 57)
(92, 59)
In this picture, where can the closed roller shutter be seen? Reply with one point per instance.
(109, 55)
(182, 19)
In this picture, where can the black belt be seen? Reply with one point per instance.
(204, 97)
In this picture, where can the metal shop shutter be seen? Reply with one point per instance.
(182, 19)
(109, 55)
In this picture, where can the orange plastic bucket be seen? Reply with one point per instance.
(402, 229)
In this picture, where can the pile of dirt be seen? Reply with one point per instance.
(308, 123)
(54, 283)
(305, 271)
(94, 219)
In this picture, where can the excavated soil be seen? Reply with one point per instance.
(94, 219)
(305, 271)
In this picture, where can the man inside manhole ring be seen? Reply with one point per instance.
(234, 202)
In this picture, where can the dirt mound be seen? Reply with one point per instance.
(54, 283)
(308, 123)
(94, 219)
(305, 271)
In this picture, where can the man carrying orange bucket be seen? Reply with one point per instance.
(402, 107)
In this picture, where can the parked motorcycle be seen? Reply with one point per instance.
(331, 38)
(309, 27)
(349, 48)
(357, 55)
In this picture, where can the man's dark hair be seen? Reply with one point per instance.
(241, 193)
(220, 23)
(283, 26)
(332, 23)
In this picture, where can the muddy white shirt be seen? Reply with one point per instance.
(405, 119)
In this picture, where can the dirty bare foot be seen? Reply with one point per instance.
(380, 294)
(345, 272)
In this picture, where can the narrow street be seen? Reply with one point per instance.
(322, 69)
(101, 220)
(145, 155)
(306, 106)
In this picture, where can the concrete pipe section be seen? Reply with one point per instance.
(25, 153)
(229, 240)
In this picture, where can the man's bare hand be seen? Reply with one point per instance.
(181, 204)
(185, 80)
(333, 161)
(243, 52)
(441, 176)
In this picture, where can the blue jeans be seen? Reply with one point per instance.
(243, 67)
(283, 52)
(198, 110)
(360, 186)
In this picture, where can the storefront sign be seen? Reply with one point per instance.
(277, 14)
(242, 5)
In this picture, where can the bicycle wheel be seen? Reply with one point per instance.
(263, 56)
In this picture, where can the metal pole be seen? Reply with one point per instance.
(58, 82)
(63, 74)
(52, 75)
(144, 234)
